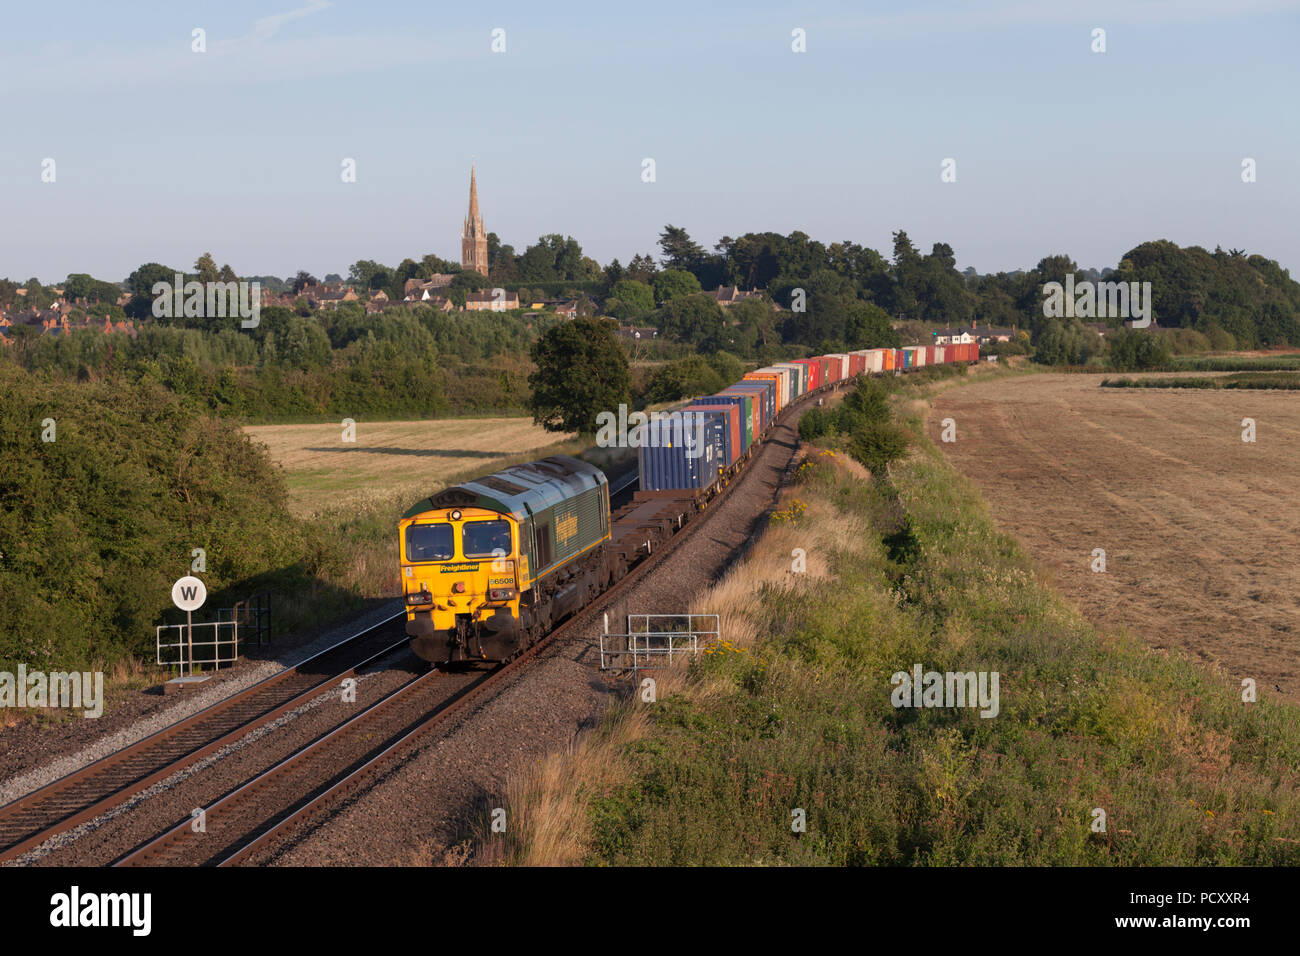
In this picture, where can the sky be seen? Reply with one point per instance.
(162, 153)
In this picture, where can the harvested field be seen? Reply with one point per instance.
(1201, 530)
(392, 457)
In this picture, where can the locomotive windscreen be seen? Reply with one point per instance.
(479, 539)
(429, 542)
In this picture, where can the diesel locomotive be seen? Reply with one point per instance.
(489, 565)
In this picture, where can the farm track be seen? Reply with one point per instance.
(110, 781)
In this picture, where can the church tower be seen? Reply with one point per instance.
(473, 240)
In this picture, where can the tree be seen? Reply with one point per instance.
(205, 268)
(365, 274)
(502, 261)
(581, 371)
(685, 378)
(630, 299)
(680, 251)
(1130, 349)
(673, 284)
(141, 281)
(555, 258)
(696, 319)
(642, 268)
(303, 280)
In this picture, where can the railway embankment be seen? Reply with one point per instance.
(895, 684)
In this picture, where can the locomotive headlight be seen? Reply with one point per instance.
(458, 587)
(455, 516)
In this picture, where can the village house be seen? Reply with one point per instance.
(487, 301)
(727, 295)
(421, 290)
(964, 336)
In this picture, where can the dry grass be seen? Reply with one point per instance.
(408, 459)
(1201, 530)
(548, 806)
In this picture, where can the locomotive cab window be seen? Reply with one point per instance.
(429, 542)
(479, 539)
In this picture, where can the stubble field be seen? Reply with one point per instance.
(1201, 530)
(393, 458)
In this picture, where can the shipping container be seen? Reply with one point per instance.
(814, 373)
(826, 363)
(940, 354)
(909, 358)
(857, 362)
(680, 451)
(775, 379)
(745, 404)
(798, 377)
(768, 388)
(794, 380)
(838, 367)
(755, 408)
(763, 393)
(782, 379)
(729, 413)
(875, 360)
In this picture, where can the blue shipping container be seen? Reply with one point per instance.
(681, 451)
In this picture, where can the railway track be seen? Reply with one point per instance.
(300, 797)
(87, 793)
(238, 826)
(238, 821)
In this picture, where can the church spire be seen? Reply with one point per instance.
(473, 196)
(473, 239)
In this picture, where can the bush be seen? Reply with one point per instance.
(97, 524)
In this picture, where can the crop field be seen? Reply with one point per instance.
(1201, 530)
(393, 458)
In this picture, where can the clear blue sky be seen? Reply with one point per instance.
(163, 154)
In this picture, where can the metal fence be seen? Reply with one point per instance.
(653, 640)
(214, 643)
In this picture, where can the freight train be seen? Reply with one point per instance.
(491, 565)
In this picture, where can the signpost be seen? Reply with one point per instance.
(188, 594)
